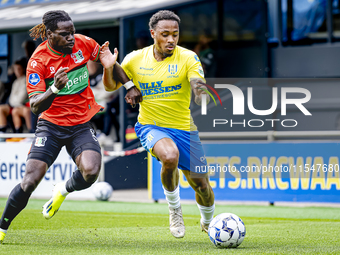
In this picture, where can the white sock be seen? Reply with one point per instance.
(207, 213)
(63, 190)
(172, 197)
(3, 230)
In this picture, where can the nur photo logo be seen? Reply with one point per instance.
(238, 105)
(204, 98)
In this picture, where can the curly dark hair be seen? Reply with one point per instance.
(50, 21)
(162, 15)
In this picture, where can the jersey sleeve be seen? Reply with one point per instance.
(93, 48)
(35, 78)
(126, 64)
(194, 67)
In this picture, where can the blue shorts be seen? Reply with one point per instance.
(191, 154)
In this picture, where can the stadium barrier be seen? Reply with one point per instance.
(14, 149)
(13, 165)
(254, 171)
(268, 170)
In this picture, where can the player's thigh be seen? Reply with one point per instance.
(84, 148)
(165, 149)
(156, 140)
(89, 162)
(191, 153)
(46, 144)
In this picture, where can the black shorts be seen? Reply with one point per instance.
(50, 138)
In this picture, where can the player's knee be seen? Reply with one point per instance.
(90, 177)
(170, 160)
(91, 172)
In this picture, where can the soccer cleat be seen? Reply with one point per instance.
(52, 206)
(2, 236)
(177, 228)
(204, 227)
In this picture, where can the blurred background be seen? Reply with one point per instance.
(278, 43)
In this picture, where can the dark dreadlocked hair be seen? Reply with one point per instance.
(163, 15)
(49, 21)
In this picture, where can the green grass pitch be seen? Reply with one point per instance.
(91, 227)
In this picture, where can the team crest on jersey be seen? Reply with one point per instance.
(40, 141)
(150, 137)
(172, 69)
(34, 79)
(77, 57)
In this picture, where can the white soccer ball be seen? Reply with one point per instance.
(102, 191)
(227, 230)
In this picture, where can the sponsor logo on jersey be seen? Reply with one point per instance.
(87, 38)
(196, 58)
(52, 69)
(172, 69)
(77, 57)
(80, 79)
(95, 51)
(33, 63)
(34, 79)
(200, 71)
(157, 87)
(40, 141)
(146, 68)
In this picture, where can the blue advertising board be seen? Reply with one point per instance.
(264, 171)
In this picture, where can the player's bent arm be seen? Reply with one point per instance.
(42, 102)
(113, 79)
(110, 82)
(199, 88)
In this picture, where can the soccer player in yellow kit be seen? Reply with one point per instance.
(165, 74)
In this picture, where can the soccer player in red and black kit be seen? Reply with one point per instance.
(58, 88)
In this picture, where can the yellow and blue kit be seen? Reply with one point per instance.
(166, 90)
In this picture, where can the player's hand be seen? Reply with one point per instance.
(107, 59)
(200, 89)
(60, 78)
(133, 96)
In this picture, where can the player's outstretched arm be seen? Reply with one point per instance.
(42, 102)
(199, 88)
(114, 75)
(108, 60)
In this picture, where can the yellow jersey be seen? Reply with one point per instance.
(165, 86)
